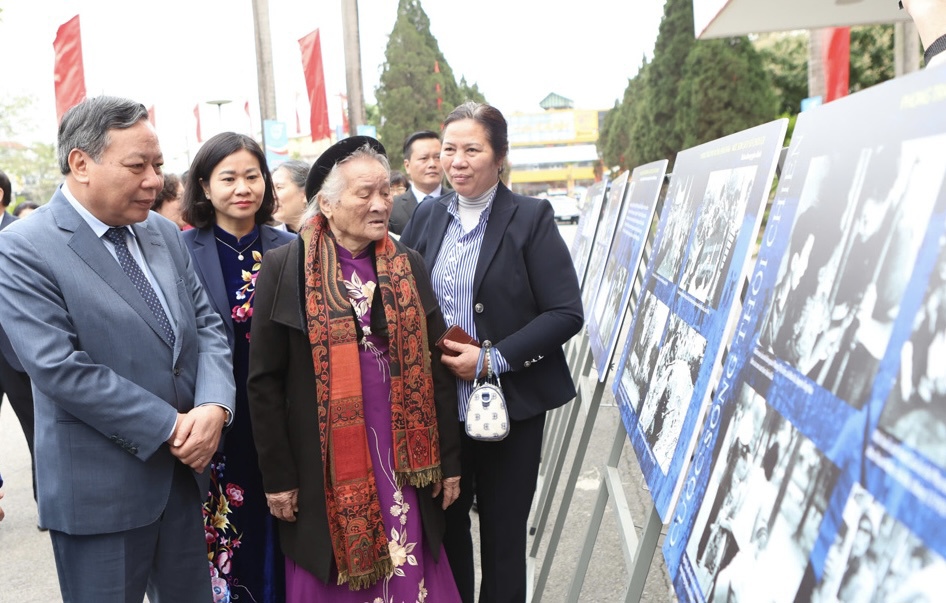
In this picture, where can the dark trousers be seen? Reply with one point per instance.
(16, 385)
(502, 475)
(166, 559)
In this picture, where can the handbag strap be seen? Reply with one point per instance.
(486, 355)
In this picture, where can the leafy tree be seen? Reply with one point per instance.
(32, 166)
(658, 134)
(470, 93)
(725, 89)
(417, 87)
(614, 140)
(785, 57)
(871, 56)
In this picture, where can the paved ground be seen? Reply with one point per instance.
(28, 573)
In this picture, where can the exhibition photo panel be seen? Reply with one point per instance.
(610, 214)
(587, 225)
(828, 417)
(624, 257)
(707, 228)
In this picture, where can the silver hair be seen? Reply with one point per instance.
(335, 183)
(86, 126)
(297, 170)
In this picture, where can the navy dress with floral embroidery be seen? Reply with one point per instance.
(247, 565)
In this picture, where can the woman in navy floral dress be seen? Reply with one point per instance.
(228, 200)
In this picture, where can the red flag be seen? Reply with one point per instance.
(151, 115)
(315, 83)
(197, 115)
(837, 62)
(68, 73)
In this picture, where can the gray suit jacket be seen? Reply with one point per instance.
(107, 386)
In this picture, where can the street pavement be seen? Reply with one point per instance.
(28, 572)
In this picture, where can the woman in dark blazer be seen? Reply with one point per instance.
(502, 272)
(229, 199)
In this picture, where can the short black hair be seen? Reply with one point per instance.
(7, 189)
(196, 208)
(419, 135)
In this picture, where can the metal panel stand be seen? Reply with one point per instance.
(582, 446)
(557, 459)
(638, 561)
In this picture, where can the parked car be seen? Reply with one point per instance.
(566, 208)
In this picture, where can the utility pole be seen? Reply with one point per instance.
(816, 82)
(264, 64)
(356, 94)
(906, 48)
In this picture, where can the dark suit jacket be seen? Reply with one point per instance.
(403, 209)
(525, 294)
(203, 247)
(284, 413)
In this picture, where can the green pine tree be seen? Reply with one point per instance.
(408, 96)
(657, 134)
(725, 89)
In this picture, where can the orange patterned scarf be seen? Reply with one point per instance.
(354, 511)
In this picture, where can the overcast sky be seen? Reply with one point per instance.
(174, 54)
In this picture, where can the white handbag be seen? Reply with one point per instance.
(486, 416)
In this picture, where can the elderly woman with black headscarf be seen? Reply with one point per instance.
(354, 416)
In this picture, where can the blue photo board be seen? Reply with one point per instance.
(587, 225)
(820, 472)
(708, 225)
(620, 269)
(614, 202)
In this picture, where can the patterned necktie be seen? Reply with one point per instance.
(117, 236)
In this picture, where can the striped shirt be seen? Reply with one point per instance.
(452, 279)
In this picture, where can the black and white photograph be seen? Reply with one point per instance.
(766, 498)
(621, 268)
(671, 389)
(679, 221)
(716, 231)
(915, 412)
(848, 263)
(642, 355)
(876, 559)
(587, 225)
(610, 215)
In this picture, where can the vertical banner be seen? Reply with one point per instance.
(277, 142)
(69, 73)
(587, 225)
(620, 268)
(820, 473)
(710, 220)
(837, 62)
(315, 83)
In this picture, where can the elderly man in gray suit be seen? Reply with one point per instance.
(131, 372)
